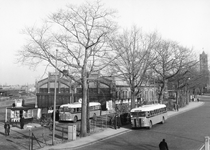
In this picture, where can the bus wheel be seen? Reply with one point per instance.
(75, 119)
(150, 125)
(163, 120)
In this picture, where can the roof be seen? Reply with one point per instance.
(25, 107)
(79, 105)
(148, 107)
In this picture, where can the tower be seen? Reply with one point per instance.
(203, 62)
(204, 71)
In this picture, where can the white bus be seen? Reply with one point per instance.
(148, 115)
(72, 112)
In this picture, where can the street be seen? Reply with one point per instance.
(182, 132)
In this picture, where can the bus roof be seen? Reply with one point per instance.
(148, 107)
(79, 105)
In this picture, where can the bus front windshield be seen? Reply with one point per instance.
(138, 114)
(66, 109)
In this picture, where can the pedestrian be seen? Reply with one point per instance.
(119, 124)
(21, 122)
(163, 145)
(7, 128)
(115, 121)
(177, 107)
(57, 115)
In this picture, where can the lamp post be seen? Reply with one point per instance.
(188, 90)
(54, 106)
(30, 137)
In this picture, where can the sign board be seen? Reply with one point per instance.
(18, 102)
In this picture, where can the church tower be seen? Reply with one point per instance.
(204, 70)
(203, 62)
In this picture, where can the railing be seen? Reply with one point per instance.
(44, 136)
(206, 145)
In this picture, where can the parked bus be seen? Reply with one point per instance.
(72, 112)
(148, 115)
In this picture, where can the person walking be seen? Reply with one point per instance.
(163, 145)
(174, 106)
(7, 128)
(115, 121)
(21, 122)
(119, 124)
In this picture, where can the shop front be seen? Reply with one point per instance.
(21, 112)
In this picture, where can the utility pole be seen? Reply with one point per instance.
(54, 107)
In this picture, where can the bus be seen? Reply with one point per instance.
(148, 115)
(72, 111)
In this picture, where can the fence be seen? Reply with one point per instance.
(206, 145)
(98, 124)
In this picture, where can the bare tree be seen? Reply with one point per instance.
(171, 59)
(135, 54)
(197, 79)
(80, 34)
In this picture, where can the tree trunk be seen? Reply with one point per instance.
(132, 99)
(160, 97)
(84, 106)
(88, 113)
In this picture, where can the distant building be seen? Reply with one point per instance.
(204, 70)
(203, 62)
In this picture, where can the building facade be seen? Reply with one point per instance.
(100, 89)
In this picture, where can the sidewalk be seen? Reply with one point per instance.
(108, 133)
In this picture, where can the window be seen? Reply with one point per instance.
(148, 114)
(91, 108)
(97, 107)
(142, 114)
(65, 109)
(152, 113)
(134, 114)
(79, 109)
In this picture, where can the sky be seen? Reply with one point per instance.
(184, 21)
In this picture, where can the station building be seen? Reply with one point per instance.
(101, 89)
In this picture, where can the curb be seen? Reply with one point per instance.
(99, 140)
(188, 109)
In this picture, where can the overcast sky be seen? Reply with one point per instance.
(184, 21)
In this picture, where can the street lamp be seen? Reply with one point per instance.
(54, 106)
(30, 137)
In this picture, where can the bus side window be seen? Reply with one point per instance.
(164, 109)
(91, 108)
(97, 107)
(155, 111)
(152, 113)
(71, 110)
(148, 113)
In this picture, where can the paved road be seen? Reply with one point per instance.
(182, 132)
(139, 139)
